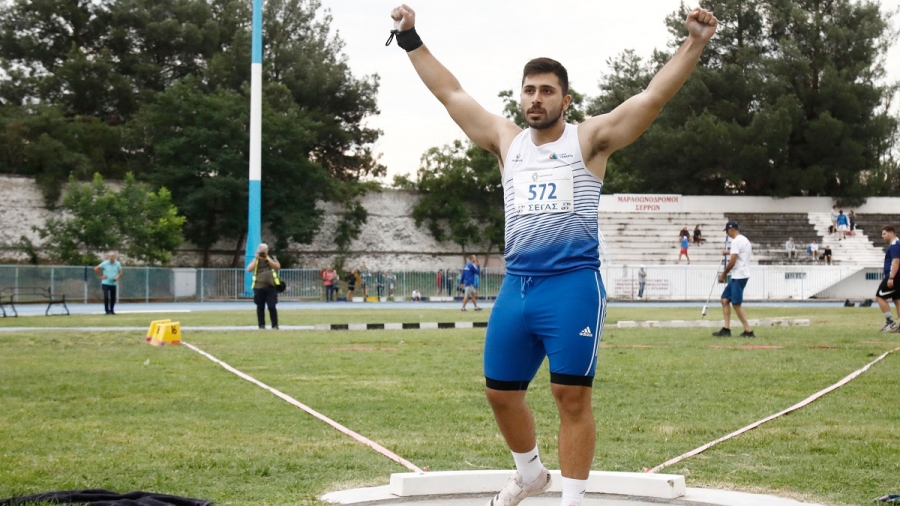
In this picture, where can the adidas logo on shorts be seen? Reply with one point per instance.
(586, 332)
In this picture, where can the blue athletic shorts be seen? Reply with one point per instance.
(734, 291)
(560, 317)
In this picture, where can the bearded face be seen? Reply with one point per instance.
(542, 101)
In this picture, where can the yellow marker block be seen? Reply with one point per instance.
(152, 330)
(167, 333)
(372, 299)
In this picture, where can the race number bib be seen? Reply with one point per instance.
(543, 191)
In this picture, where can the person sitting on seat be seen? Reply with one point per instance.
(698, 236)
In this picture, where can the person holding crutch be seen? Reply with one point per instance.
(739, 266)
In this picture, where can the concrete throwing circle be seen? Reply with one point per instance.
(476, 488)
(694, 497)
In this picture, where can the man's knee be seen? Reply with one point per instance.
(503, 399)
(573, 401)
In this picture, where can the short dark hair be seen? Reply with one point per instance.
(889, 228)
(547, 66)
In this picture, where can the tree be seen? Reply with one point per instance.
(111, 65)
(40, 141)
(786, 101)
(462, 195)
(142, 224)
(197, 143)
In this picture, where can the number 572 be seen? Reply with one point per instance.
(532, 191)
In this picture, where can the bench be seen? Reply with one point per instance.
(9, 297)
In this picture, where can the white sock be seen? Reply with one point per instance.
(528, 464)
(572, 491)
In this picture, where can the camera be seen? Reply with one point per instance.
(262, 254)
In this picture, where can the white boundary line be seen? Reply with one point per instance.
(795, 407)
(290, 400)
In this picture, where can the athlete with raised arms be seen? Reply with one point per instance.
(552, 302)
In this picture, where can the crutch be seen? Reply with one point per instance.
(715, 279)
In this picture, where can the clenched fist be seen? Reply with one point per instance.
(404, 18)
(701, 23)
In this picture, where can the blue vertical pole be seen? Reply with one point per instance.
(254, 218)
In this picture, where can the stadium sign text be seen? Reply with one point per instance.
(629, 202)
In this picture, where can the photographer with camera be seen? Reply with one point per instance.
(265, 280)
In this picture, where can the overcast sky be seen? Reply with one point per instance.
(485, 44)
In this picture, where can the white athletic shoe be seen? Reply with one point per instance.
(515, 491)
(890, 327)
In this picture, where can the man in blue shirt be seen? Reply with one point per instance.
(843, 225)
(109, 271)
(469, 272)
(888, 286)
(685, 244)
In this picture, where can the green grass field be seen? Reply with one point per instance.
(87, 410)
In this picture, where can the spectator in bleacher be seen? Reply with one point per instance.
(851, 217)
(790, 248)
(843, 225)
(888, 286)
(813, 249)
(834, 216)
(739, 266)
(684, 233)
(826, 255)
(685, 244)
(109, 271)
(698, 236)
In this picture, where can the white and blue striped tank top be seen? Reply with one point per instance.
(551, 204)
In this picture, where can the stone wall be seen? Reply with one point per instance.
(389, 239)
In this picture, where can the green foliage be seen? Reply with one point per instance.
(462, 196)
(135, 221)
(40, 141)
(787, 100)
(107, 87)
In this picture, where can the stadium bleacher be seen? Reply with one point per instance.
(653, 238)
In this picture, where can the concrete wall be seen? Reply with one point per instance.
(389, 240)
(21, 207)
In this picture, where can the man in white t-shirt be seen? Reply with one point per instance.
(790, 248)
(813, 250)
(739, 266)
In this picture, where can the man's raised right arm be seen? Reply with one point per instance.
(482, 127)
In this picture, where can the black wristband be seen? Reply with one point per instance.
(407, 39)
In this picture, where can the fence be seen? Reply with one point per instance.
(772, 282)
(155, 284)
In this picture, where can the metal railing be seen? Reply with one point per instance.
(693, 282)
(156, 284)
